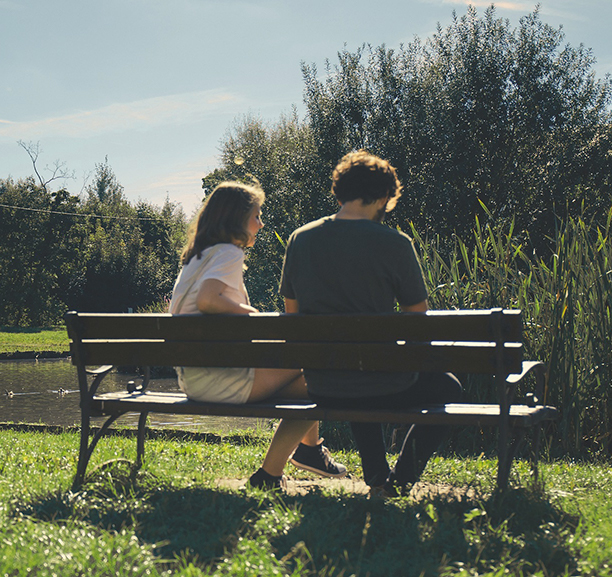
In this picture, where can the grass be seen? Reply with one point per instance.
(171, 519)
(14, 340)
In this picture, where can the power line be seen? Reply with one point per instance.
(48, 211)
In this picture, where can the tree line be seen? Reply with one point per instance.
(90, 252)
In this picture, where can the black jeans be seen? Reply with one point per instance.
(421, 441)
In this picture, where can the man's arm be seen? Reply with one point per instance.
(417, 308)
(291, 306)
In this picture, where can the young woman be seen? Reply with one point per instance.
(211, 281)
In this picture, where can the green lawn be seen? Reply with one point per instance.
(54, 339)
(172, 520)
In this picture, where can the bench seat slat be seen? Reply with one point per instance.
(434, 325)
(451, 414)
(459, 357)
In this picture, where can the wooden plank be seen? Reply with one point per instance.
(451, 414)
(477, 325)
(457, 357)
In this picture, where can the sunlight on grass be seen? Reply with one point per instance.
(34, 340)
(171, 519)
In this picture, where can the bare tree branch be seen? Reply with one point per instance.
(58, 170)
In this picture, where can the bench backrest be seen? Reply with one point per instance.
(480, 341)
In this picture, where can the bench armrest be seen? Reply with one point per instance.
(146, 377)
(104, 369)
(538, 369)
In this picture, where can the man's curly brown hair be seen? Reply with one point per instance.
(364, 176)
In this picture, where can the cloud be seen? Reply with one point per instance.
(174, 109)
(182, 185)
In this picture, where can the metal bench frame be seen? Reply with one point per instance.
(479, 341)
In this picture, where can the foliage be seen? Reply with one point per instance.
(479, 113)
(99, 253)
(281, 158)
(567, 308)
(38, 251)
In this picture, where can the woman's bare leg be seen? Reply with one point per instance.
(286, 383)
(289, 384)
(287, 437)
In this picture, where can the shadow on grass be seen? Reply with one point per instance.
(325, 533)
(27, 330)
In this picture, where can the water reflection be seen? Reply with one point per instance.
(47, 391)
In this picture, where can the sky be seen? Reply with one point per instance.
(154, 85)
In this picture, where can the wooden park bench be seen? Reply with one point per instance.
(476, 341)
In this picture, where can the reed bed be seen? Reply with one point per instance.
(566, 299)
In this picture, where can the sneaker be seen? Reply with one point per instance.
(262, 480)
(386, 491)
(318, 460)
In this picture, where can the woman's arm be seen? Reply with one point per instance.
(211, 298)
(291, 306)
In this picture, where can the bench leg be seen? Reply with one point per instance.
(535, 455)
(504, 463)
(86, 449)
(140, 443)
(83, 450)
(507, 457)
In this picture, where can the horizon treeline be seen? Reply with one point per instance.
(90, 252)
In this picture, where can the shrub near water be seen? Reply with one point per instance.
(566, 298)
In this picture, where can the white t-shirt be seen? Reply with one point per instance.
(223, 262)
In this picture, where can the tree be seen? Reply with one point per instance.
(130, 254)
(479, 114)
(38, 251)
(105, 190)
(281, 158)
(59, 251)
(58, 172)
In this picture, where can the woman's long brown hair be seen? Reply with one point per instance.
(222, 218)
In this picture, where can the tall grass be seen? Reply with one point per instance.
(566, 298)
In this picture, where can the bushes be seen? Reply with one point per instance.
(59, 251)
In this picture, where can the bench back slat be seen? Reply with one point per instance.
(472, 326)
(349, 342)
(346, 356)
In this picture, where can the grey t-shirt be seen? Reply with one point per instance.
(352, 266)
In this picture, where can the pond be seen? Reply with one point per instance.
(47, 391)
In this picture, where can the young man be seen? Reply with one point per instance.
(351, 263)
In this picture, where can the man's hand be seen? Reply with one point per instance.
(417, 308)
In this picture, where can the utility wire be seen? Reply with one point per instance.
(48, 211)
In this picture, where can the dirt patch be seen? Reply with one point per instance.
(356, 487)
